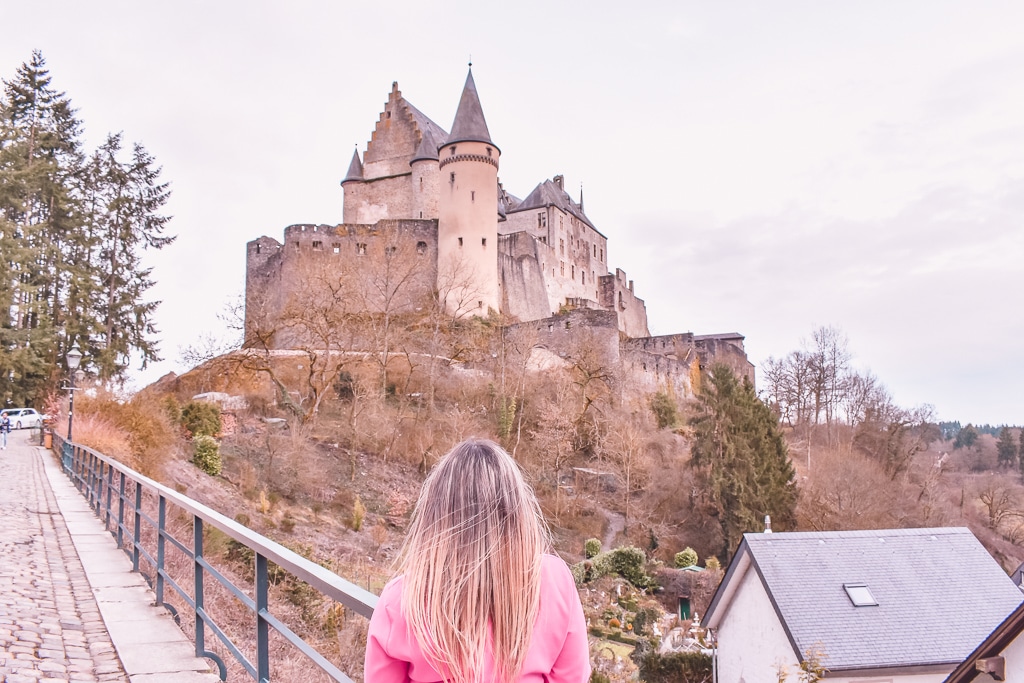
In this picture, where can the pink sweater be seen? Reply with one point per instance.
(558, 653)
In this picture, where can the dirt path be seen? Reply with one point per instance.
(616, 525)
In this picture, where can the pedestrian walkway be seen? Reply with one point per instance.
(70, 608)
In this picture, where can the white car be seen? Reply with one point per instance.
(24, 417)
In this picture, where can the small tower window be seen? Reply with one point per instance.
(472, 195)
(488, 151)
(452, 177)
(483, 242)
(583, 277)
(452, 149)
(460, 241)
(318, 245)
(296, 246)
(390, 251)
(336, 247)
(421, 248)
(361, 248)
(479, 304)
(573, 272)
(257, 249)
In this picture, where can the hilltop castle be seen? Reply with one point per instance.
(539, 260)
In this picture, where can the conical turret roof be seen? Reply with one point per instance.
(427, 151)
(469, 124)
(355, 169)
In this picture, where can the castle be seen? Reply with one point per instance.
(538, 260)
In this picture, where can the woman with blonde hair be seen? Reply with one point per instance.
(478, 598)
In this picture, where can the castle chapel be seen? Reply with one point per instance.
(538, 259)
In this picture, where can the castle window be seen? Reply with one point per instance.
(542, 220)
(602, 254)
(488, 151)
(544, 240)
(460, 241)
(257, 249)
(479, 304)
(595, 247)
(573, 271)
(472, 195)
(318, 245)
(563, 268)
(390, 251)
(296, 246)
(337, 247)
(388, 115)
(421, 248)
(452, 149)
(483, 242)
(561, 247)
(583, 277)
(452, 178)
(361, 248)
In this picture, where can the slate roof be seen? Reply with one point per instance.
(939, 593)
(426, 126)
(549, 194)
(993, 646)
(469, 124)
(428, 147)
(355, 169)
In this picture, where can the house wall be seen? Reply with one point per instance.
(1014, 656)
(916, 678)
(751, 640)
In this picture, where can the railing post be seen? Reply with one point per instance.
(197, 555)
(161, 522)
(120, 512)
(137, 539)
(262, 627)
(110, 491)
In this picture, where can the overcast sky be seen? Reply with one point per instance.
(763, 168)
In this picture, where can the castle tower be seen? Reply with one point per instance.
(425, 177)
(467, 232)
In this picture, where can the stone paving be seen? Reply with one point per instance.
(60, 619)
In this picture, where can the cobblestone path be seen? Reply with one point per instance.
(50, 624)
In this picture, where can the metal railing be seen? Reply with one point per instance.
(116, 494)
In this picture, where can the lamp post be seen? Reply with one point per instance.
(74, 357)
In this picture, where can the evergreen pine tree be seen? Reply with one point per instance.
(741, 454)
(72, 232)
(1006, 448)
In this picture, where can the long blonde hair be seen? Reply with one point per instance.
(471, 564)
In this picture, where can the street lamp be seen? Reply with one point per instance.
(74, 357)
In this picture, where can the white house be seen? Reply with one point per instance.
(1000, 657)
(891, 606)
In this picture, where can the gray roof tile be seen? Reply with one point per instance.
(469, 124)
(549, 194)
(939, 593)
(355, 169)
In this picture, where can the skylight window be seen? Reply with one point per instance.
(859, 595)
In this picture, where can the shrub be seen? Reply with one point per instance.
(628, 562)
(686, 558)
(665, 411)
(358, 514)
(712, 563)
(591, 548)
(673, 667)
(614, 623)
(206, 454)
(287, 525)
(201, 419)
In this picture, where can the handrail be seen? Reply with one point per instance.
(104, 483)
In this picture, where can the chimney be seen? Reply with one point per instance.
(767, 524)
(559, 180)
